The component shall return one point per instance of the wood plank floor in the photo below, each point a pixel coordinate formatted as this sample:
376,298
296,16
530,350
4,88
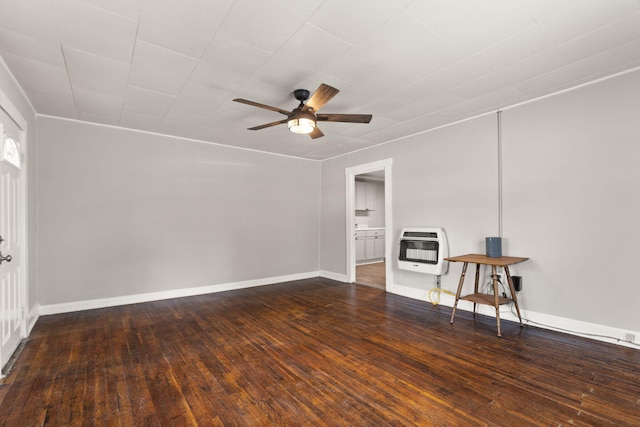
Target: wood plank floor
312,352
372,275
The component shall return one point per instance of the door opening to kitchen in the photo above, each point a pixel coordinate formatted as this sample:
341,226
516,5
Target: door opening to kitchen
369,228
369,224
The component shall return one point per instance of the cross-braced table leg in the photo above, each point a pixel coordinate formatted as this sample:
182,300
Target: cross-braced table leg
455,304
513,293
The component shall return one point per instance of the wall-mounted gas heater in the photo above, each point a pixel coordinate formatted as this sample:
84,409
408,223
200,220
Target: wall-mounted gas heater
423,249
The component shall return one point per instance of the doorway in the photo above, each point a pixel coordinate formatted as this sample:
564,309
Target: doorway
12,230
370,229
373,268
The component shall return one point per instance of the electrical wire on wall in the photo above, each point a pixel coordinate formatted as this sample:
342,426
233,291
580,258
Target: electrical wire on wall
438,291
570,331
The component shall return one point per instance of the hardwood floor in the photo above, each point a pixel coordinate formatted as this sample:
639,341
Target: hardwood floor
312,352
372,275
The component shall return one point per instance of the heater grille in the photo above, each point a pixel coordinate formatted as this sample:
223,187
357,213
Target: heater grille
419,251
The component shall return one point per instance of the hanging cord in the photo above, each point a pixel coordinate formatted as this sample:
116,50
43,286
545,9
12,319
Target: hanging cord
438,291
488,287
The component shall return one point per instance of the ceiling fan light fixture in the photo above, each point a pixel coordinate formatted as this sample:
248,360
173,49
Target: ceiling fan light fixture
301,125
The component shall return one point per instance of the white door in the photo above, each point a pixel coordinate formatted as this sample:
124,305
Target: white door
11,230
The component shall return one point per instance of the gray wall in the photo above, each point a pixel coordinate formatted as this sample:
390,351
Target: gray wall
123,213
17,98
570,198
572,201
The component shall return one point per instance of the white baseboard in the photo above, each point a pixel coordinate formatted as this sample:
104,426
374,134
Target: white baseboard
561,324
333,276
574,327
161,295
34,315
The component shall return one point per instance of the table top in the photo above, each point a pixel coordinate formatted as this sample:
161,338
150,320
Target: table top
483,259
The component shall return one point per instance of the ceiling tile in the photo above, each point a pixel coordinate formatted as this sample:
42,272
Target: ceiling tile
419,58
610,36
586,17
220,117
159,69
441,81
427,105
88,28
58,106
39,77
490,101
385,134
134,120
355,19
228,63
199,100
612,61
562,28
477,23
98,104
143,101
95,118
522,70
30,47
96,73
32,17
129,8
267,24
455,75
186,26
527,43
175,121
541,10
309,49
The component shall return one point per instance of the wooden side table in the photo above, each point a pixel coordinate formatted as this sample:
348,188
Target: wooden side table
479,298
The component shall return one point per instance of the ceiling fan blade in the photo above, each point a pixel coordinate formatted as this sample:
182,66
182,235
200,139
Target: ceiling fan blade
348,118
268,125
320,97
266,107
316,133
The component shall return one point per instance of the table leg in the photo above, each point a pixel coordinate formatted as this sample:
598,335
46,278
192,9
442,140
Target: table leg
455,304
475,287
496,295
513,293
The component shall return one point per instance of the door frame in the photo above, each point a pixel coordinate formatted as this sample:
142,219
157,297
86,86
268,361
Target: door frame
350,181
13,112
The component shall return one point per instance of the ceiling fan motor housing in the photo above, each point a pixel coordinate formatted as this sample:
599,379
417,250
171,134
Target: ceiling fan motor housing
301,94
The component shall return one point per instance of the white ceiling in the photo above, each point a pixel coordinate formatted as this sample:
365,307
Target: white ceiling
173,67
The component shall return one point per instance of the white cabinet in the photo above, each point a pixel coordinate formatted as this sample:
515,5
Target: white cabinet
378,247
369,245
361,246
365,196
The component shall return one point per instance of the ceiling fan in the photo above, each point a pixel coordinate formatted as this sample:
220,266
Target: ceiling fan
303,118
